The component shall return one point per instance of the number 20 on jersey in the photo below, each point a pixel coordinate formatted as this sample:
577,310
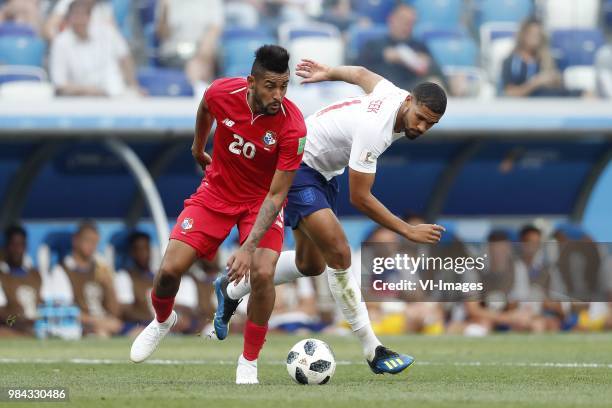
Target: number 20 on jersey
239,147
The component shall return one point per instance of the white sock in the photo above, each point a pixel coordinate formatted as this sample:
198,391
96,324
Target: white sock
243,360
286,271
346,293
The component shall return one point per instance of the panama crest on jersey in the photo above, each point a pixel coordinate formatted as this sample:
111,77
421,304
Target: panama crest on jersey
269,139
187,224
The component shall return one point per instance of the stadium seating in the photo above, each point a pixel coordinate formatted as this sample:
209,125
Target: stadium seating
427,32
580,77
164,82
288,32
358,36
15,29
497,39
375,10
444,13
55,246
27,91
22,50
117,249
503,10
562,14
329,51
239,46
454,52
469,81
11,73
575,47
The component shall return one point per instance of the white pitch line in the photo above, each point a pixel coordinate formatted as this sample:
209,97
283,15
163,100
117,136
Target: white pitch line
279,362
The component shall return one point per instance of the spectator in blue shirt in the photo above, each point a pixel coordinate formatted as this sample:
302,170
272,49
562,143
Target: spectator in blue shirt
530,71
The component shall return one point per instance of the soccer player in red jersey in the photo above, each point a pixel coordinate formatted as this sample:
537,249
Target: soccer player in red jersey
258,146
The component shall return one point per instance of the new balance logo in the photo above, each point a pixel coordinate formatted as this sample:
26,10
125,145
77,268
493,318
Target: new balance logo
228,122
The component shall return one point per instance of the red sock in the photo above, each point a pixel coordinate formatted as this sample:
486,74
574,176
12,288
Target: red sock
162,306
254,338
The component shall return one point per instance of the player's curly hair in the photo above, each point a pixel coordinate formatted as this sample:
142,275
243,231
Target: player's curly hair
430,95
270,58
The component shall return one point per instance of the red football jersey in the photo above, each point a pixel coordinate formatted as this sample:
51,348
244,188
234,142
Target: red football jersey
248,148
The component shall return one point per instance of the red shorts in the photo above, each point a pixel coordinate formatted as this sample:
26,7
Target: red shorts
205,229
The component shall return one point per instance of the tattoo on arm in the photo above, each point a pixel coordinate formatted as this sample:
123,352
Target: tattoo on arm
266,216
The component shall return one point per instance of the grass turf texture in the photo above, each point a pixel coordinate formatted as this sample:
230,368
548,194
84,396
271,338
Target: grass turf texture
498,371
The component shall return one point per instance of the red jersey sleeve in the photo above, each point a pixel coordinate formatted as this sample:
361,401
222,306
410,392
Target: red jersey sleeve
209,96
292,147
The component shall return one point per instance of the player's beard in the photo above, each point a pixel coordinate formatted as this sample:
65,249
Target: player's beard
261,108
411,135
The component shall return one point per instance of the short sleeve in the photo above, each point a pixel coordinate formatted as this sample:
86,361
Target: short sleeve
365,152
384,86
291,149
209,95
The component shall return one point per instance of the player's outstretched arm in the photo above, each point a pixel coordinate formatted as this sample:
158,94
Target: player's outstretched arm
204,121
240,262
360,185
313,71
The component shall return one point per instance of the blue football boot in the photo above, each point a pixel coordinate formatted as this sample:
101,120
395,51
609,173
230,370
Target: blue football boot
388,361
226,307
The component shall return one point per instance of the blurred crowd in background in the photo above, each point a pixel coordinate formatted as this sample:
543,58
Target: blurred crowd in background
475,48
87,293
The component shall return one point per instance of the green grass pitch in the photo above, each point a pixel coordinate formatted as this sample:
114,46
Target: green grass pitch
568,370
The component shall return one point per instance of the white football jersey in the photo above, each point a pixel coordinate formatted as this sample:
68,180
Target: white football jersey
353,132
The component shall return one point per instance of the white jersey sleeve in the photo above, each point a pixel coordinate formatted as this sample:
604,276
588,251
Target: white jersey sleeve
367,147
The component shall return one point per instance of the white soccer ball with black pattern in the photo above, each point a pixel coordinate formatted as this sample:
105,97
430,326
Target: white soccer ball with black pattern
311,361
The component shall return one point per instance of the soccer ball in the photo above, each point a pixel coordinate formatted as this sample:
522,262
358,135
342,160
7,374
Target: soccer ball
311,361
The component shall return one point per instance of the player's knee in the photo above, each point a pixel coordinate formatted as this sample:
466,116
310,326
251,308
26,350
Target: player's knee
169,276
261,275
310,267
338,255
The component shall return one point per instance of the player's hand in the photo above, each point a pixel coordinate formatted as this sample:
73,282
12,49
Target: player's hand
202,158
425,233
312,71
238,265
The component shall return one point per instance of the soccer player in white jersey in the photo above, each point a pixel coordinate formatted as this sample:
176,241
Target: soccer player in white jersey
351,133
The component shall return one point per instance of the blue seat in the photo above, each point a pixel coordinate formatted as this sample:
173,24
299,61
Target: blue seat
119,242
454,51
503,10
575,47
358,37
239,48
16,29
59,244
243,33
22,50
440,12
12,73
376,10
164,82
288,32
427,32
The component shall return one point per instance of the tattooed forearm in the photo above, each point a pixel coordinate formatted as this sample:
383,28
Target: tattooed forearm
267,213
